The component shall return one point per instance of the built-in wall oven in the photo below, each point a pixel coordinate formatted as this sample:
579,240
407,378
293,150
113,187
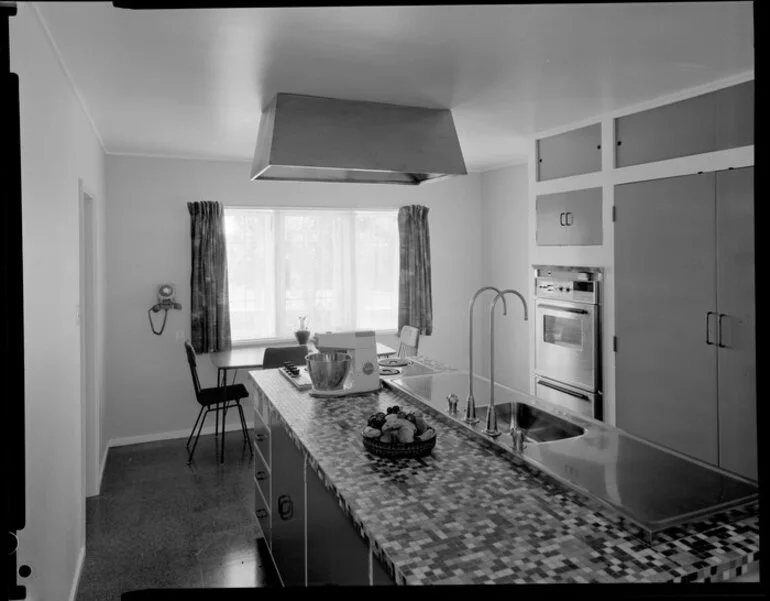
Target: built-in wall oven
568,337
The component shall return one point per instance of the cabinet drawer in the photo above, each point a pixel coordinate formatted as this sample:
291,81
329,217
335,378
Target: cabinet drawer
571,153
262,439
264,518
262,477
261,403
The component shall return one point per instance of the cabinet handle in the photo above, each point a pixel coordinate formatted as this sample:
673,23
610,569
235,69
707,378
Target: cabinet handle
568,215
261,476
285,507
561,218
261,513
708,314
719,330
260,437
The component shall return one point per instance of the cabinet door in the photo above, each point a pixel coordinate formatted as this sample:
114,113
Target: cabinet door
665,274
571,153
336,554
735,301
551,224
584,217
673,130
287,507
735,116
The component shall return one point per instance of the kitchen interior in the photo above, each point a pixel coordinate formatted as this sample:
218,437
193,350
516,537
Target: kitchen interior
508,254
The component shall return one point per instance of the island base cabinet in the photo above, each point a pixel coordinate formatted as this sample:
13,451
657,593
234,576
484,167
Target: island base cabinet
287,506
336,554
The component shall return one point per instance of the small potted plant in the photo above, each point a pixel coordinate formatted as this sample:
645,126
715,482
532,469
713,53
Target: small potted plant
303,333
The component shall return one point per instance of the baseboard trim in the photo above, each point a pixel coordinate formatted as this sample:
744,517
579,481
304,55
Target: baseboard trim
234,425
78,571
101,470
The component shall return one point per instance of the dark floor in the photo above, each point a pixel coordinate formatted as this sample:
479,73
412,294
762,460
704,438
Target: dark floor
159,523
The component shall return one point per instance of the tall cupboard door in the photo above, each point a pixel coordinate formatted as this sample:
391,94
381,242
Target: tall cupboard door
287,506
665,273
736,321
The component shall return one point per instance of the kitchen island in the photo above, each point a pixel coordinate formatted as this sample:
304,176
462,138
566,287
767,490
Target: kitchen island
470,513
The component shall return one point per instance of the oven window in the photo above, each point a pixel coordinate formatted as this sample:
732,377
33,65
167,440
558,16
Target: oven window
563,331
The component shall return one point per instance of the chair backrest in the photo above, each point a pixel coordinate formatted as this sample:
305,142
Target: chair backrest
193,366
276,355
409,339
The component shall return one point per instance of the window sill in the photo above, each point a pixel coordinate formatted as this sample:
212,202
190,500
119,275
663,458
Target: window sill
289,341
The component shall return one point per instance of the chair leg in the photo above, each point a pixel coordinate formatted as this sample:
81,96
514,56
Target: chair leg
195,444
216,425
192,432
245,429
224,417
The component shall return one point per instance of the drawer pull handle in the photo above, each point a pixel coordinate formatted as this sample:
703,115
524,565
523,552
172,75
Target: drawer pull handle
261,476
260,437
261,514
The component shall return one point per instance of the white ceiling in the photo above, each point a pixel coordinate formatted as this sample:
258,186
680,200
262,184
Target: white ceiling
191,83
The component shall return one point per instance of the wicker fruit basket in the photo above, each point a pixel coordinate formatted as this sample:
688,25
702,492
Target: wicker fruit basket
395,450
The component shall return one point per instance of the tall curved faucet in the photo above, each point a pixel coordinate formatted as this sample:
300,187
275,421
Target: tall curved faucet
470,403
491,424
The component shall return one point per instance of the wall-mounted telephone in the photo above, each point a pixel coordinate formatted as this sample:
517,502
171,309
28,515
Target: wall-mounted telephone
165,303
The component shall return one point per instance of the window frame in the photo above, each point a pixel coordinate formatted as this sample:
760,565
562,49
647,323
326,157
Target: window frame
352,210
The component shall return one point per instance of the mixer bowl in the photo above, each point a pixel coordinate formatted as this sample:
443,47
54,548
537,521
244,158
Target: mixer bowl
328,370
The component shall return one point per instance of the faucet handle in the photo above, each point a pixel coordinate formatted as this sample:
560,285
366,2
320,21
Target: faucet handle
453,400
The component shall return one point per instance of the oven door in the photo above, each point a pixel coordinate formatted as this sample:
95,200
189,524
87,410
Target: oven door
566,344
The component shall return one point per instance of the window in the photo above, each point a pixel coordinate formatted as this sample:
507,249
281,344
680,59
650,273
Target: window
338,267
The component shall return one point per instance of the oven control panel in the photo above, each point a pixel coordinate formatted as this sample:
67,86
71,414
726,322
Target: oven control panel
579,291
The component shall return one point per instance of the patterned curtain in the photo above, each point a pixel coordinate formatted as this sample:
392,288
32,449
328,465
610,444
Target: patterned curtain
415,302
210,311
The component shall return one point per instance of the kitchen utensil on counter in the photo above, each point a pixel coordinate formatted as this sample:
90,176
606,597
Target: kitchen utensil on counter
395,362
389,371
299,378
328,370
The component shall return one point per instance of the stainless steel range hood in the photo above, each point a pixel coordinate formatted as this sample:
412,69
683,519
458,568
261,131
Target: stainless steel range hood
311,138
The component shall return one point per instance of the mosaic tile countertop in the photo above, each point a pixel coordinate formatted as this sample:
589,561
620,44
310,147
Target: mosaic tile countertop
472,513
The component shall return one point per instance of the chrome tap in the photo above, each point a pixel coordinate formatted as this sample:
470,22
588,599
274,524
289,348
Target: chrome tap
470,403
491,425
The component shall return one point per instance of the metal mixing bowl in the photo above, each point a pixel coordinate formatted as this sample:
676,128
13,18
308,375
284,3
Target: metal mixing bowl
328,370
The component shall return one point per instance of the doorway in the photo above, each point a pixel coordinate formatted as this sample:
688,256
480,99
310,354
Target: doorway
90,409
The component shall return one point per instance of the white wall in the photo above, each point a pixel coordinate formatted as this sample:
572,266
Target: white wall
58,147
148,386
505,259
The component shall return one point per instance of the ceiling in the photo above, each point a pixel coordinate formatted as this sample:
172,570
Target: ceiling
192,83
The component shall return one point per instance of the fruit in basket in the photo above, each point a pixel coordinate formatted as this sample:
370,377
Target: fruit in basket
394,423
427,435
386,437
370,432
394,409
405,434
421,424
376,420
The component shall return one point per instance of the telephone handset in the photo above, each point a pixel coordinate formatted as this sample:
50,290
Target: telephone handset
165,303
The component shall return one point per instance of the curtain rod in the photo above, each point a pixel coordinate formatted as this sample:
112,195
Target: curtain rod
338,209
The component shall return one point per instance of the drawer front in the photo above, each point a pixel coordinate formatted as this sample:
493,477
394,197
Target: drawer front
262,477
262,439
264,518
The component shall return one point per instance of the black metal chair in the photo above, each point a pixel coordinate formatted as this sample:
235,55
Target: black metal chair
276,355
219,398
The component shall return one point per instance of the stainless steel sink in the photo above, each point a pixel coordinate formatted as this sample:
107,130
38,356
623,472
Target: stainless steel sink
538,425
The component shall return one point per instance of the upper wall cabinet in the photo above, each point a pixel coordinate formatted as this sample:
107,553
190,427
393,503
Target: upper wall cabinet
571,153
571,218
716,121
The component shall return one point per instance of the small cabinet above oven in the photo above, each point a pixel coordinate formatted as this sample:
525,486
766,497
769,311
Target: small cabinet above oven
572,218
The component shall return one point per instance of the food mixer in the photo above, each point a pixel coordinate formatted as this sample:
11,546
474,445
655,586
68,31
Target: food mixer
364,374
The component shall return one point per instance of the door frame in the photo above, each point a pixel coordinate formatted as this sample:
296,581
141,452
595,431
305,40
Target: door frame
86,314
